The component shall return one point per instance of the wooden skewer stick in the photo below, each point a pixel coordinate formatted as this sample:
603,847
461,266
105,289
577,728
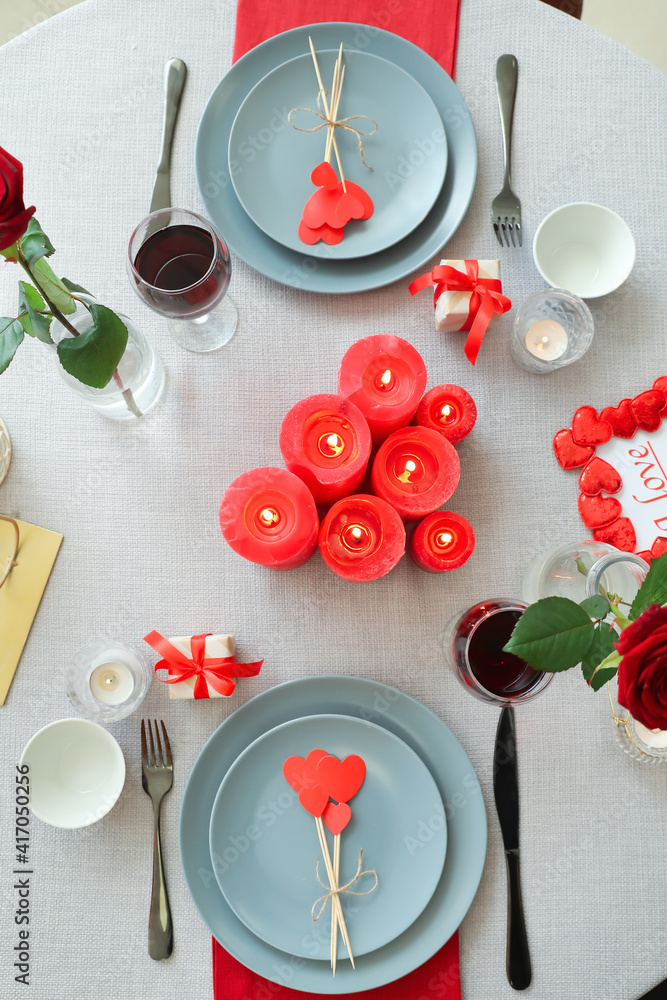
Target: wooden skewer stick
326,108
334,923
337,909
335,98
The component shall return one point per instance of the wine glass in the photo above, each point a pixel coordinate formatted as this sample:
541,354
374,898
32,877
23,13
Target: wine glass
180,266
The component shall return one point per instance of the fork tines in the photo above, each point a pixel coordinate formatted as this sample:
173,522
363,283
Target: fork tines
508,227
152,759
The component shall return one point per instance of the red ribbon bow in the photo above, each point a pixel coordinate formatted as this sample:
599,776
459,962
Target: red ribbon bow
218,671
485,298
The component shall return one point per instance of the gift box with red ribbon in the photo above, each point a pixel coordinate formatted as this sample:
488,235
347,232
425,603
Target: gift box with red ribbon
200,666
468,296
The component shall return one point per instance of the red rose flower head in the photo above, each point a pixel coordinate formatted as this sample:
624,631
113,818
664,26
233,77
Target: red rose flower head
642,672
14,216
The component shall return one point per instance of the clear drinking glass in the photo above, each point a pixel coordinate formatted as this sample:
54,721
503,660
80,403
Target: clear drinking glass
474,644
564,334
107,679
578,569
180,266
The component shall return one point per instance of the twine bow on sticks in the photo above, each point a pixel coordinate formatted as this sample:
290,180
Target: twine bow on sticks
320,904
335,203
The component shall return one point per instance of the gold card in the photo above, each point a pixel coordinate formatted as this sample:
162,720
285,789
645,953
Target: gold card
21,593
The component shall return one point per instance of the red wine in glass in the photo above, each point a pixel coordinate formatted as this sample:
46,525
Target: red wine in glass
479,659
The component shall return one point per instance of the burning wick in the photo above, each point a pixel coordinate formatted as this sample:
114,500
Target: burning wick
385,381
410,467
269,517
331,445
445,539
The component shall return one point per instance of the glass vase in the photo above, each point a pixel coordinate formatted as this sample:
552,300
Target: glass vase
139,381
578,569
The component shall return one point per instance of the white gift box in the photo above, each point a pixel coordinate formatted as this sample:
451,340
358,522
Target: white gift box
215,645
452,308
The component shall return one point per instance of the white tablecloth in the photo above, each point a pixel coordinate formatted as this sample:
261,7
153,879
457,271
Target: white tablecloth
81,106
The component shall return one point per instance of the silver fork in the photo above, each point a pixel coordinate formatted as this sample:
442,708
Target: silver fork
157,775
506,208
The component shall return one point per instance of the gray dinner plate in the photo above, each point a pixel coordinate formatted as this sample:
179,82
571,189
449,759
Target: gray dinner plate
459,789
297,269
269,874
273,181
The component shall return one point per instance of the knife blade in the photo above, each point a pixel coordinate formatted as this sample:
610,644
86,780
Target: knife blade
174,80
506,794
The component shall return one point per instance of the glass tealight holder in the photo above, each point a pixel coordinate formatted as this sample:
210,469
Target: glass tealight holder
645,745
553,328
107,679
579,569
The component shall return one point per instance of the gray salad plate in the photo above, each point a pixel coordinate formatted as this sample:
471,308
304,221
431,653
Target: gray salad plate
459,789
273,181
297,269
272,884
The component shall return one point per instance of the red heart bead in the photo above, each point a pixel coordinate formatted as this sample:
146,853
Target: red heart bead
568,454
647,407
597,476
336,817
324,175
341,778
598,511
313,800
620,533
661,384
589,429
658,548
300,772
621,419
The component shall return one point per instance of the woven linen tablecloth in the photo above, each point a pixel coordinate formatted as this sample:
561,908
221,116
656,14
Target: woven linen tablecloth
81,107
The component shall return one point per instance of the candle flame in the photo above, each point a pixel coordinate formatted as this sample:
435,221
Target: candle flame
386,377
445,538
356,533
446,410
269,516
410,467
331,445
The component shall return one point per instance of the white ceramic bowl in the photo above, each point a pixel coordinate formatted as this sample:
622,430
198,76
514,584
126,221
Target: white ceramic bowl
585,248
77,772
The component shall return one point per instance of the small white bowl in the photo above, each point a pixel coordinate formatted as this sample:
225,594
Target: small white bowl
77,772
585,248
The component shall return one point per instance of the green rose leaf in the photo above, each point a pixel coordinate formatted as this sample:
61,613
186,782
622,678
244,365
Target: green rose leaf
34,324
73,287
34,243
554,634
53,287
595,607
602,649
93,356
11,335
653,590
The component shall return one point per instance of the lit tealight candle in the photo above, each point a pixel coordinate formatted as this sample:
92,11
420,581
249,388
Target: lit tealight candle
111,683
546,339
656,738
415,470
442,541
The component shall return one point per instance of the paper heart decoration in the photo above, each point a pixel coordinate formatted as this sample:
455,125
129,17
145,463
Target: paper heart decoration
568,454
321,208
658,548
323,232
324,175
647,407
621,534
588,429
337,816
301,772
348,207
314,800
362,196
341,778
621,419
597,476
598,511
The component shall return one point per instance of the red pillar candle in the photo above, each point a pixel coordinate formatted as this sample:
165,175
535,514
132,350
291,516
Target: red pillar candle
362,538
269,517
325,441
442,541
448,409
415,470
386,377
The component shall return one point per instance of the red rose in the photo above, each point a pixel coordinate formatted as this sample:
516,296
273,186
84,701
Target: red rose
14,216
642,672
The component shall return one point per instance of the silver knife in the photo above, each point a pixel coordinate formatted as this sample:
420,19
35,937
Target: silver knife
506,794
174,81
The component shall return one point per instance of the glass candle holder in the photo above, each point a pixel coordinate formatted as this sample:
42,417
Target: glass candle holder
553,328
107,680
645,745
578,570
474,644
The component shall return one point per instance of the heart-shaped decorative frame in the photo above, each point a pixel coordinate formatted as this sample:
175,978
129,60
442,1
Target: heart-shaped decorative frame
622,451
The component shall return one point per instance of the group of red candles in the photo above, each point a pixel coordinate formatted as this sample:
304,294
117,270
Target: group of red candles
270,516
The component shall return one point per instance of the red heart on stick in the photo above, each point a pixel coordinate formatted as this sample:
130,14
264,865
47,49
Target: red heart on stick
300,772
647,407
324,175
320,208
313,800
337,817
323,232
588,428
568,454
598,511
341,778
620,533
621,419
362,196
348,208
597,476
